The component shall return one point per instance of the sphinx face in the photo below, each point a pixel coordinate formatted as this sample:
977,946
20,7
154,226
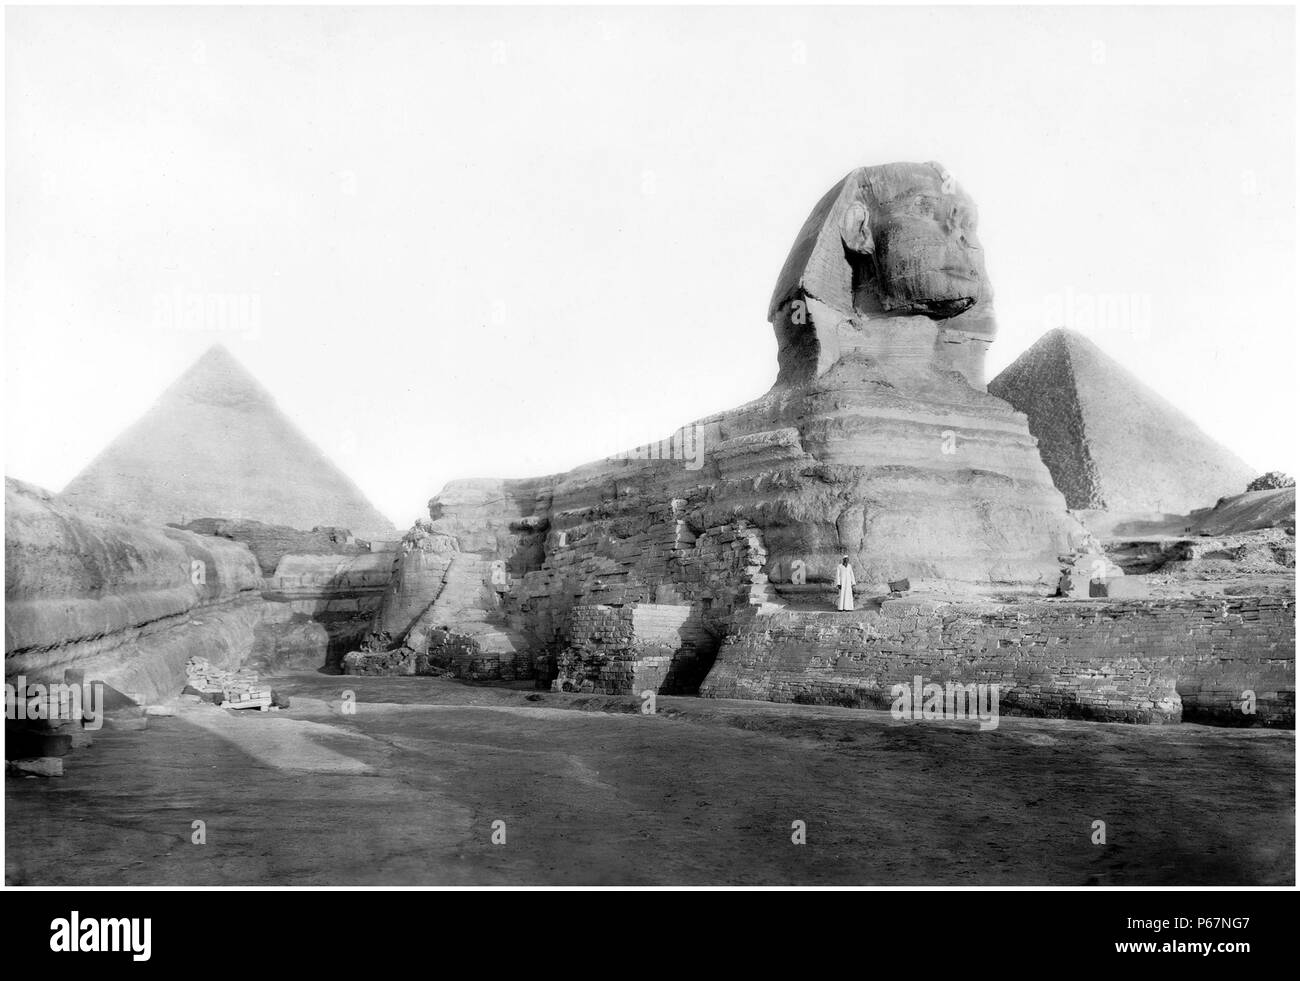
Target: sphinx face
924,255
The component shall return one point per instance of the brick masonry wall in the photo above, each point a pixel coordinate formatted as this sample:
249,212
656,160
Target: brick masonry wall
1133,661
628,552
463,656
627,650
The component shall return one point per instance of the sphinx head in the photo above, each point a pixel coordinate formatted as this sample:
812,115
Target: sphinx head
889,242
909,236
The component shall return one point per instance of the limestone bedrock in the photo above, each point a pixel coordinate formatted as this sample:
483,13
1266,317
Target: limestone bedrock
123,602
877,441
127,602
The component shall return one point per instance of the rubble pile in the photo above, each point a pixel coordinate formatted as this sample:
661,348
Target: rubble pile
230,689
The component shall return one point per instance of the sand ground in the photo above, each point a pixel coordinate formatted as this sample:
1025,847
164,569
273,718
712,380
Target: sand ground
405,791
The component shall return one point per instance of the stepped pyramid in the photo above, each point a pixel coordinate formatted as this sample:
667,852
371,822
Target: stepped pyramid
1109,441
215,445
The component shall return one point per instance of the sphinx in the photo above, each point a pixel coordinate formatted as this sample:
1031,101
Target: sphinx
877,441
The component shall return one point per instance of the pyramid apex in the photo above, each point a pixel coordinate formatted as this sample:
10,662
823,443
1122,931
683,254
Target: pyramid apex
1058,336
1071,336
1059,342
217,351
218,355
218,378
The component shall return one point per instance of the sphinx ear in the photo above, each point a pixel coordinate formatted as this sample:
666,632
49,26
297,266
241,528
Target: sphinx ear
855,229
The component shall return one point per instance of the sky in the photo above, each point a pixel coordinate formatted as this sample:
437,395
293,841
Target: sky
505,242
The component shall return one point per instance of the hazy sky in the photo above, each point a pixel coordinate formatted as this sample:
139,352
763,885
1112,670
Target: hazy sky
477,242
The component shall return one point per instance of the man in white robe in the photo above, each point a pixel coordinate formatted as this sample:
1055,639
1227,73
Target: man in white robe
844,579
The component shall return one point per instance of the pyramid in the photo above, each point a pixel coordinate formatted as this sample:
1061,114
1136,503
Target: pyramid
216,445
1108,440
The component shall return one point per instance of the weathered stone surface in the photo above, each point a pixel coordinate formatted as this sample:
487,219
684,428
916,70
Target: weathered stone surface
888,264
332,578
287,641
44,766
1109,441
399,661
318,608
77,574
270,543
1194,658
323,589
1251,511
216,444
633,649
122,602
447,599
1267,550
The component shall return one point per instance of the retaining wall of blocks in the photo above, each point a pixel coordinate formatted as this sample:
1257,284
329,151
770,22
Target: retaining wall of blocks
644,553
627,650
1195,659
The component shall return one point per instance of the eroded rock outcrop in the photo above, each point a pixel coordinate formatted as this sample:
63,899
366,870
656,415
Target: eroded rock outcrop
124,602
319,606
1246,537
1252,511
270,543
127,602
448,594
323,588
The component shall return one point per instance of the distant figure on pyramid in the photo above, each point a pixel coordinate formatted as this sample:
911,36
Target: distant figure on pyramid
845,580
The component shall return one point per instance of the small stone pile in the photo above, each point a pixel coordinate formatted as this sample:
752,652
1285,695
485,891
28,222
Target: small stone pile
1273,480
230,689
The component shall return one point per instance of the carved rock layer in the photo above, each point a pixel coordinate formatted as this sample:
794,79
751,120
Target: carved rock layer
125,602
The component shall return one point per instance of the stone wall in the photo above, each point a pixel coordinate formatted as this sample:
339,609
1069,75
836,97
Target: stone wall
486,587
1135,661
627,650
629,552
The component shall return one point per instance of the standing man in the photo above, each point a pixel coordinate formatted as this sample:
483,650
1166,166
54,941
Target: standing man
845,580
